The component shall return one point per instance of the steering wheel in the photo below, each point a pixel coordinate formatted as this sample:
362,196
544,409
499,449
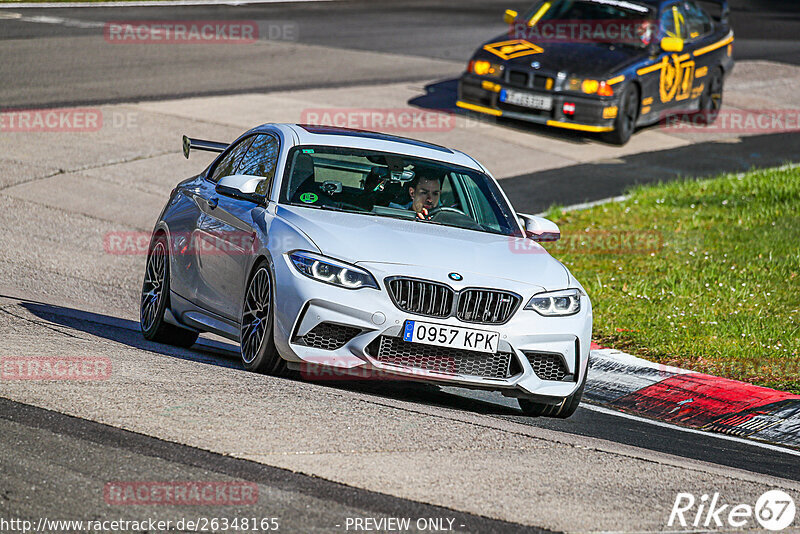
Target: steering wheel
445,209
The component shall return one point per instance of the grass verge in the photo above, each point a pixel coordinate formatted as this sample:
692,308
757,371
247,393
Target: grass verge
704,275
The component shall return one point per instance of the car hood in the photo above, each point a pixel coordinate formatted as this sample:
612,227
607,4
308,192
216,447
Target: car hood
596,60
427,248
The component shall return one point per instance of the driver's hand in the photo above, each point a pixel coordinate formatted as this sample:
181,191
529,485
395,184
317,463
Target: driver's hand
423,214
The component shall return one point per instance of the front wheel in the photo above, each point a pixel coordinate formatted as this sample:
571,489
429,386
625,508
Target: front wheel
259,353
627,115
563,410
155,296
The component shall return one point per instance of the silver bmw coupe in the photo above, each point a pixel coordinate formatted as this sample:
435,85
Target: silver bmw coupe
323,249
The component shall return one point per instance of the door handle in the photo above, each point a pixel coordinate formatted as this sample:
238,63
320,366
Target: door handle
212,202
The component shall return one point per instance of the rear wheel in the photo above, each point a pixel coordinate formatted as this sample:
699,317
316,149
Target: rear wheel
627,115
562,410
711,100
155,297
259,353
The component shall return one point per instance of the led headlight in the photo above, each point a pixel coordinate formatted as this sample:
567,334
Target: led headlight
555,303
331,271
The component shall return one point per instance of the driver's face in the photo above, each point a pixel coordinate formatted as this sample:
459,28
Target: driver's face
425,195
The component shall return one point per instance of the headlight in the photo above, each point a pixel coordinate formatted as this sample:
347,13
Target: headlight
554,303
331,271
481,67
589,87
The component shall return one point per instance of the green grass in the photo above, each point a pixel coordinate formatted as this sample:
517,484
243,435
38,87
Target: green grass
708,277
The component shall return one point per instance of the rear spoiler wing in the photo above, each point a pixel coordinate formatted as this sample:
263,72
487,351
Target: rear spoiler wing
200,144
724,9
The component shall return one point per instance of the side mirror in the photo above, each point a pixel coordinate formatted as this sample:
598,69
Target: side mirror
241,186
539,229
510,16
672,44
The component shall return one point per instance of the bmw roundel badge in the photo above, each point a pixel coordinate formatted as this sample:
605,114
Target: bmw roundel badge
455,276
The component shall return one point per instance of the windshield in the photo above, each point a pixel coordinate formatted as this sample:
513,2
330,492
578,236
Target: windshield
611,21
382,184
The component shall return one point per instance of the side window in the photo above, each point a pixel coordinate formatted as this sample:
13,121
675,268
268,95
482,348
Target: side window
230,161
698,23
673,23
448,197
260,160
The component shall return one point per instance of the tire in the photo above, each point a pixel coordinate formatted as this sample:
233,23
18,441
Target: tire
256,331
562,410
155,299
628,114
711,99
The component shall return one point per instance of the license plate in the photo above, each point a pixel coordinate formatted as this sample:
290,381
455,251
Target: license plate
526,99
455,337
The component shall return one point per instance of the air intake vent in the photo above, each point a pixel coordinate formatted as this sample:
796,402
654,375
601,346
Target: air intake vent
327,336
548,366
394,350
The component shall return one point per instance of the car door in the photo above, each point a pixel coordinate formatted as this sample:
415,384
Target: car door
676,76
226,229
701,34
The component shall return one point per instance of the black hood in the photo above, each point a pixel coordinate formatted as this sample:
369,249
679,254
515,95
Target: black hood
595,60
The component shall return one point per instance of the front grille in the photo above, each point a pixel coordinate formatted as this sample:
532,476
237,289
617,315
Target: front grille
516,77
486,306
541,82
327,336
396,351
422,297
548,366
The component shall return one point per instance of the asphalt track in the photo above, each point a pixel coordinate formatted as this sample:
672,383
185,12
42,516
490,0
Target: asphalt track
65,70
48,64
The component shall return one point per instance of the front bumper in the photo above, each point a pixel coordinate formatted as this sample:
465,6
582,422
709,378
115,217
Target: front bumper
592,114
303,304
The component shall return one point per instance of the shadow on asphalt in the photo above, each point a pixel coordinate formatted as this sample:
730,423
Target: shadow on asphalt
127,332
223,354
536,192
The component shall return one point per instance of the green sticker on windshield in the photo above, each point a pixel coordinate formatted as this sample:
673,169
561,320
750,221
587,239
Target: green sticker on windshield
308,198
308,151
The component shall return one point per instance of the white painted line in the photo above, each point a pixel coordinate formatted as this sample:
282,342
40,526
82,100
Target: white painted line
607,411
587,205
155,3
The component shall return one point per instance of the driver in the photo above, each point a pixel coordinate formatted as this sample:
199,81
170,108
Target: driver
425,192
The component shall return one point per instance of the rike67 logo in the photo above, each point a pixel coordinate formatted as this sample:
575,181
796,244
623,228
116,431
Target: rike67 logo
775,511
